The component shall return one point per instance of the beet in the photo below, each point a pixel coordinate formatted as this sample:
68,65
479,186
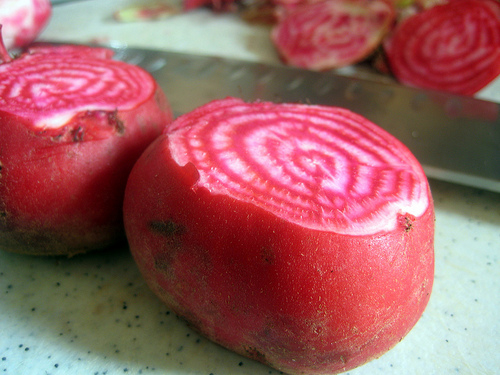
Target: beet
453,47
297,235
332,33
72,124
23,20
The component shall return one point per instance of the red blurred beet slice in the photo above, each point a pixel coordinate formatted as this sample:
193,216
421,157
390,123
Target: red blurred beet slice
23,20
452,47
72,124
332,33
297,235
217,5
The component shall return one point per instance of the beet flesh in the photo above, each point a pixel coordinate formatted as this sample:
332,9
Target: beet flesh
247,259
321,35
72,124
452,47
23,20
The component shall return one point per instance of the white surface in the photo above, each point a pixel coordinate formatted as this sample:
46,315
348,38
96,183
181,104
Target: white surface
200,31
93,314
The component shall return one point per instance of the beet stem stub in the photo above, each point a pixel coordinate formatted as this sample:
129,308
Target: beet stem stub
323,168
4,54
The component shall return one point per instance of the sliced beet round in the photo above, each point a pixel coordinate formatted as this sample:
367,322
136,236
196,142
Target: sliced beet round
72,124
453,47
297,235
331,33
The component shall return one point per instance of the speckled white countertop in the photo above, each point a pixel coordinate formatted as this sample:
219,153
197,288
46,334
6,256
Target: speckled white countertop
93,314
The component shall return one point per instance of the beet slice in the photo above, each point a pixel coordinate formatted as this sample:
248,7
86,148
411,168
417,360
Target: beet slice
216,5
72,124
453,47
297,235
331,33
23,20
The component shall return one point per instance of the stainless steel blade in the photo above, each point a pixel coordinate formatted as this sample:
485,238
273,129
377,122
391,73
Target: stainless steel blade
456,139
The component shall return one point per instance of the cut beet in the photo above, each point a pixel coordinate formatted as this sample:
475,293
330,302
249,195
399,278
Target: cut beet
297,235
72,124
453,47
332,33
23,20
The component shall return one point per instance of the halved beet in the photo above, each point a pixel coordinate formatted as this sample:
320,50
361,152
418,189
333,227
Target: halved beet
23,20
297,235
72,124
320,35
452,47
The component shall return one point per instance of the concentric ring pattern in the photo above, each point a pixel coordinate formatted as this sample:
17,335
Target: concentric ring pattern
453,47
51,88
324,35
321,167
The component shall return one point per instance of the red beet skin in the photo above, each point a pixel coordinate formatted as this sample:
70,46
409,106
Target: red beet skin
300,236
72,124
321,35
23,20
452,47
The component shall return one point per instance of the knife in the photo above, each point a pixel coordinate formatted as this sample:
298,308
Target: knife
455,138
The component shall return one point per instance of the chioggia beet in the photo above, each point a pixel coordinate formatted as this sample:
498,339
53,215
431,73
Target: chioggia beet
72,124
297,235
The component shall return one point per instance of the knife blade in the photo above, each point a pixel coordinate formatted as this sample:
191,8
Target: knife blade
455,138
